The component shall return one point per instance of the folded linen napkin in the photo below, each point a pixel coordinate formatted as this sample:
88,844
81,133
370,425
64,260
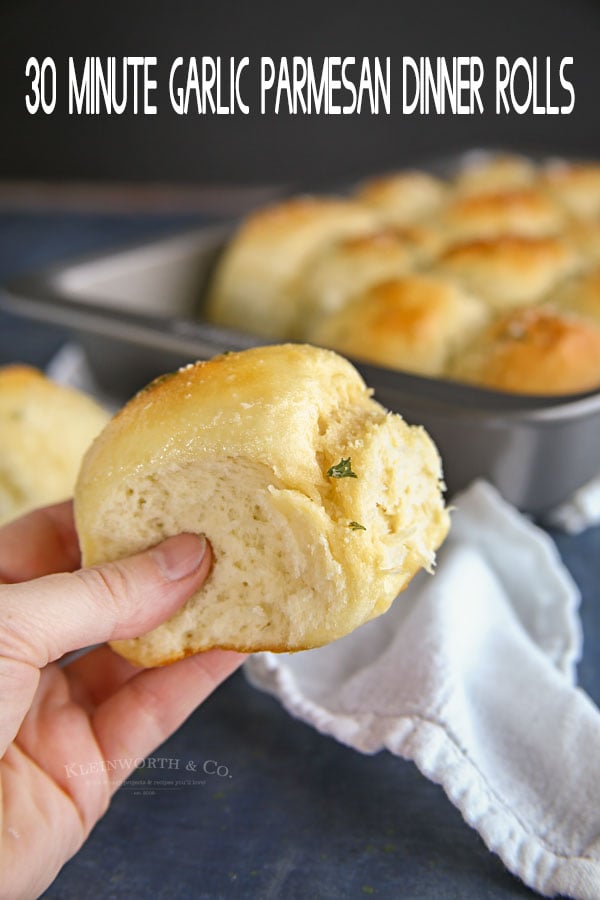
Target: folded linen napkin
471,675
581,511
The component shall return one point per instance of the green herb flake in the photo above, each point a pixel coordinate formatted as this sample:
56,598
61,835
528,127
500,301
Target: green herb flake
343,469
356,526
155,383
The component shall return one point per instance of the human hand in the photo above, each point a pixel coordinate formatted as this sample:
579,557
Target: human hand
96,708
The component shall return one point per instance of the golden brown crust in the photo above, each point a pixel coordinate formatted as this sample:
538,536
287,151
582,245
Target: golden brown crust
384,240
526,211
535,351
147,660
17,375
507,231
576,186
349,266
510,270
412,323
584,236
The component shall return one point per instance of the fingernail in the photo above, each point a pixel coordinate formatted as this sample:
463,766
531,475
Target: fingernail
179,556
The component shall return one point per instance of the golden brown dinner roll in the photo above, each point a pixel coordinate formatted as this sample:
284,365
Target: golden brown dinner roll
584,236
534,351
580,295
576,186
403,197
341,270
253,288
528,212
319,505
509,271
413,323
491,174
425,239
45,431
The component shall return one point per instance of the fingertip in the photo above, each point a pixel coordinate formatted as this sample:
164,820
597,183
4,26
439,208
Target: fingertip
180,556
165,577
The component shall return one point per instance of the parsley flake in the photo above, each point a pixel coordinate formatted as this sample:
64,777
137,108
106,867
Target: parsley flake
356,526
156,381
343,469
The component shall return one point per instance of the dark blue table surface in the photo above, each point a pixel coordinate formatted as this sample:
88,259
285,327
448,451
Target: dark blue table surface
291,813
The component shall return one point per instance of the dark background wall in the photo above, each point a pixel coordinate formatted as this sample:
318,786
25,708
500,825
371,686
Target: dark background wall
311,150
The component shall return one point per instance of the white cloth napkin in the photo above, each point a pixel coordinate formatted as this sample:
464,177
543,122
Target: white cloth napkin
581,511
471,675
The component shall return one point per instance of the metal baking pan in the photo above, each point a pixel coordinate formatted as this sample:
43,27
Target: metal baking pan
137,313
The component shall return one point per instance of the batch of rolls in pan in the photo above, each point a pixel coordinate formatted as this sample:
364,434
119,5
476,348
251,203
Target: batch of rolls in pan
491,277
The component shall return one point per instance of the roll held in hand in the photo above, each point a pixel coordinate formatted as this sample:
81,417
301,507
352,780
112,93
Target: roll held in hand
319,505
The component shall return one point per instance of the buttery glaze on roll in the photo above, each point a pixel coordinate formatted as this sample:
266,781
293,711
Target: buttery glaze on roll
319,505
528,212
346,268
414,323
505,233
509,271
584,236
536,350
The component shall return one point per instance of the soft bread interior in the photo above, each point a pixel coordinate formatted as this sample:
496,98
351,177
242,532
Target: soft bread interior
291,570
245,449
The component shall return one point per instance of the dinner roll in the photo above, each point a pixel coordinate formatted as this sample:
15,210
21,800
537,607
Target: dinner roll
425,239
45,430
491,174
528,212
413,324
584,236
319,505
341,270
534,351
253,287
403,197
576,186
509,271
580,295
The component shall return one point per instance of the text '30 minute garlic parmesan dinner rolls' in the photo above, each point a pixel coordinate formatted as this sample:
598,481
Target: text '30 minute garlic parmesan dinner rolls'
319,505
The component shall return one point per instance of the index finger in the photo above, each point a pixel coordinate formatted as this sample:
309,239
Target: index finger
42,542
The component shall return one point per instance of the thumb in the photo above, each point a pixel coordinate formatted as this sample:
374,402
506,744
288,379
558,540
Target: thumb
43,619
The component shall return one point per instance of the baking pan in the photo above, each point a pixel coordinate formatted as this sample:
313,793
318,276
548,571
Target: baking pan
137,313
